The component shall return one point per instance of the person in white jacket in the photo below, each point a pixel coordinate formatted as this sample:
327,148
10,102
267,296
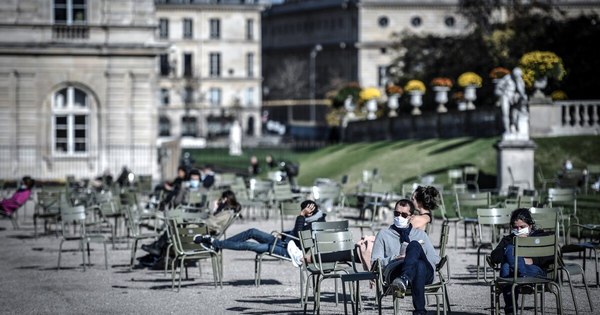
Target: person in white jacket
407,255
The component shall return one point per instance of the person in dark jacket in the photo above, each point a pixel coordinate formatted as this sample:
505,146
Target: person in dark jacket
523,226
224,209
263,241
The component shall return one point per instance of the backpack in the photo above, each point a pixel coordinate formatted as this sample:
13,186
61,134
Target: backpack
364,248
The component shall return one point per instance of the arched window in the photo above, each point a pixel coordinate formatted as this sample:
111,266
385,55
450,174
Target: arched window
164,126
70,121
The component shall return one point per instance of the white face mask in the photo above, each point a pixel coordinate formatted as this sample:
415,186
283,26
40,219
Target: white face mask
401,222
194,183
519,232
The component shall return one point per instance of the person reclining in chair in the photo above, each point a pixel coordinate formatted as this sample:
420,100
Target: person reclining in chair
523,226
10,205
406,255
225,208
263,241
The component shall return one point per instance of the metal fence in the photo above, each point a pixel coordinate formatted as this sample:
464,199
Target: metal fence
40,163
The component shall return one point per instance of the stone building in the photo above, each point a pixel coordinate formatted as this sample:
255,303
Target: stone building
311,47
354,37
211,73
77,87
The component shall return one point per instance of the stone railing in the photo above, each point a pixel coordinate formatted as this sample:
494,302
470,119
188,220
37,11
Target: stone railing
563,118
70,32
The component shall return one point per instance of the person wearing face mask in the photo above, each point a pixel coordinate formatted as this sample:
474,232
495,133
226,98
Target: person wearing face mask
523,226
194,184
406,255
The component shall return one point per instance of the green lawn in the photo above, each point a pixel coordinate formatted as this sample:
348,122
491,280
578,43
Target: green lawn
404,161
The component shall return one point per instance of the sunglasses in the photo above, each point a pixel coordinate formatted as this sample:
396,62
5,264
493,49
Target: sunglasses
402,214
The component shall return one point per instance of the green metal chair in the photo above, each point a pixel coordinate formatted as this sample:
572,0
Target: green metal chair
533,246
78,232
495,219
437,289
182,237
473,201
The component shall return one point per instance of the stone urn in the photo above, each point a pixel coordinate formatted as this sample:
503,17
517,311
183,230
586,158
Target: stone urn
416,100
371,106
470,96
392,104
539,85
441,97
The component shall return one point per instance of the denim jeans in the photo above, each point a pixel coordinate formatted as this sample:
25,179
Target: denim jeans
507,269
262,244
417,269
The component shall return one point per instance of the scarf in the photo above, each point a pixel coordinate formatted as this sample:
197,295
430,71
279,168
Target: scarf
403,233
315,217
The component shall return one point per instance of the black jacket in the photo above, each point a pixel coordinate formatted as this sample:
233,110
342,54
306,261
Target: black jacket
302,225
498,253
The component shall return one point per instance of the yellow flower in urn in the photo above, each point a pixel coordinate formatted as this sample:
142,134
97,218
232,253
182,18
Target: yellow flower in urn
538,65
415,85
470,79
369,94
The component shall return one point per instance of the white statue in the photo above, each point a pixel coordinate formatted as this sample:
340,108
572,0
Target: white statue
512,99
172,59
348,104
235,139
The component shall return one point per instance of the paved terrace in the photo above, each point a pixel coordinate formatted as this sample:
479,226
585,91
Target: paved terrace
30,283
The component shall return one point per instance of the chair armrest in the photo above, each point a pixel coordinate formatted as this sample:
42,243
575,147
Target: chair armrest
278,235
441,263
494,266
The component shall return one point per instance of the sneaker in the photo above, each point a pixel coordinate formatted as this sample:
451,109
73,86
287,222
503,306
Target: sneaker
202,238
400,285
295,254
206,241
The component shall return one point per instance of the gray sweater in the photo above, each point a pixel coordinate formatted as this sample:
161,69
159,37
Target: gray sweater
387,245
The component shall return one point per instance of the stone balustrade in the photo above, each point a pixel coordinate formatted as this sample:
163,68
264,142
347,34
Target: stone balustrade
70,32
564,118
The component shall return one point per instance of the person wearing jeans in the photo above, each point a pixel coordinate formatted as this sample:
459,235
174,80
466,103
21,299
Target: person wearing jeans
407,256
260,242
523,226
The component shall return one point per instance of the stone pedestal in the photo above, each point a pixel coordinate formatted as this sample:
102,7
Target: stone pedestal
518,155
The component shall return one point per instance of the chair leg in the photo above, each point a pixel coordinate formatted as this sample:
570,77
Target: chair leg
478,259
455,234
344,296
167,257
465,229
83,253
257,263
571,288
59,254
181,266
105,256
173,273
558,299
133,254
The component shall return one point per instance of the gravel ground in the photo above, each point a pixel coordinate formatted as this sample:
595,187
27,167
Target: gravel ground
31,284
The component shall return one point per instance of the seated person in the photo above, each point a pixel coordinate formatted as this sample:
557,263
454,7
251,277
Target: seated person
425,199
171,189
194,184
225,208
262,241
407,256
10,205
207,176
523,226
